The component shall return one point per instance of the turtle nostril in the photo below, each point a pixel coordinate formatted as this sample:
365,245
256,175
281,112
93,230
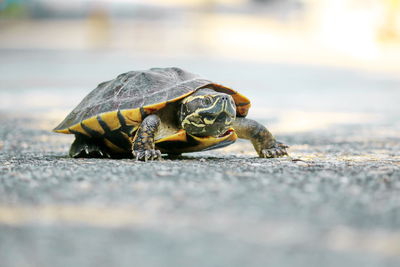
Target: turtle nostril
225,98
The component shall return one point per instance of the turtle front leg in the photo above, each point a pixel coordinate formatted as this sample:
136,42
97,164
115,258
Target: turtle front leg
143,147
263,141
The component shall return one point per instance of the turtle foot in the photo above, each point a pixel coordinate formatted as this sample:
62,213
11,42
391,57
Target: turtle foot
147,154
86,148
278,150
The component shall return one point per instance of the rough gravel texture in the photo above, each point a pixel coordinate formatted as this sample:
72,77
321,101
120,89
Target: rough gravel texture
335,202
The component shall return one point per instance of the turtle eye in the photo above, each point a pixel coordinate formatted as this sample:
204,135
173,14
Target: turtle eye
206,101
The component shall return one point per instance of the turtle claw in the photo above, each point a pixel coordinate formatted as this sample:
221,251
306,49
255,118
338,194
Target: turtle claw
86,148
145,155
104,154
278,150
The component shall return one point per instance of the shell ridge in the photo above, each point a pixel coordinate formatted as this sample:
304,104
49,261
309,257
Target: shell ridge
138,89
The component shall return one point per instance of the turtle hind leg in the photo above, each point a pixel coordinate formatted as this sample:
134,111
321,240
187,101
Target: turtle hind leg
84,147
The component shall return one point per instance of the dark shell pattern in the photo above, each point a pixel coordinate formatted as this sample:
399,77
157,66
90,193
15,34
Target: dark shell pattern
135,89
113,111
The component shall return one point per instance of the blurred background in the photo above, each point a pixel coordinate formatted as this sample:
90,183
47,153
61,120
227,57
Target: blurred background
359,33
323,75
337,60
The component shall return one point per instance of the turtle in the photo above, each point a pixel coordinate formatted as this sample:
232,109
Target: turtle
144,114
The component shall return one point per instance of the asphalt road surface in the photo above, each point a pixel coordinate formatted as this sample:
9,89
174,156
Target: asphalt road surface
334,202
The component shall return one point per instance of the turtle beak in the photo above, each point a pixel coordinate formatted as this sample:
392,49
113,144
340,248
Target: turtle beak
228,105
223,105
228,111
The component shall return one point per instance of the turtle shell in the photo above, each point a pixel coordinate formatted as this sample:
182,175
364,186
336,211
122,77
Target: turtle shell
124,101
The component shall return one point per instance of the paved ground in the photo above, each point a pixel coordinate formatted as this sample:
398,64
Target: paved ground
335,202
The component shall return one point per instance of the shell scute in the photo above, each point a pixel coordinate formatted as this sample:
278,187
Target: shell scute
133,117
111,118
136,92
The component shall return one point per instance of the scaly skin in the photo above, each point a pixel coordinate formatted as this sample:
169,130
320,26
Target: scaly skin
143,147
263,141
203,119
84,147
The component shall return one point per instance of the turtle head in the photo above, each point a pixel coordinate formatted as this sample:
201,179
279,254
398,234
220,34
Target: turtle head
207,113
